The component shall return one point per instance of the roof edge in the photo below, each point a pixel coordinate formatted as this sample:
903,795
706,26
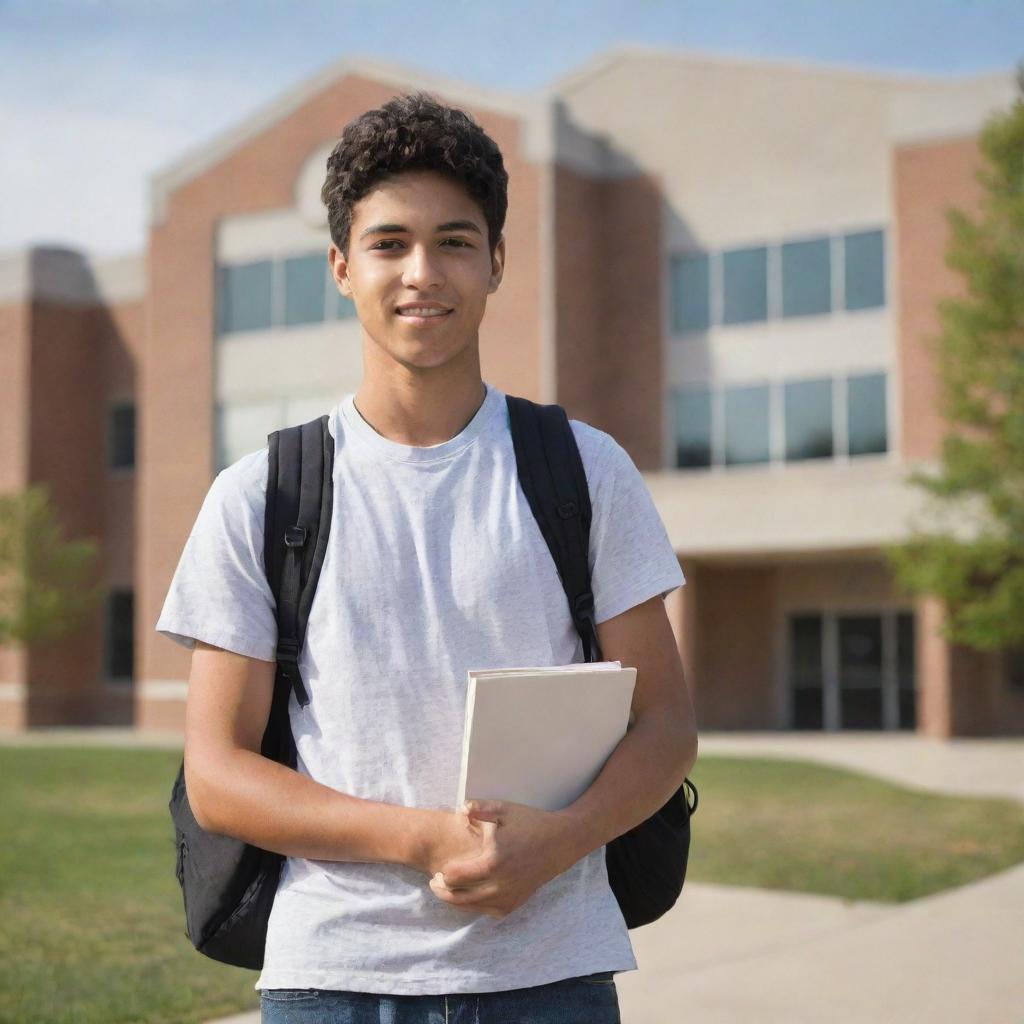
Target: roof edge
208,154
602,62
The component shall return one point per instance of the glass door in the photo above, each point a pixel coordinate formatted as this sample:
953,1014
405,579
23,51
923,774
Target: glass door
851,670
860,671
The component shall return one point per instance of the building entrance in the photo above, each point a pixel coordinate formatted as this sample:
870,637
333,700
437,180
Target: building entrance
851,670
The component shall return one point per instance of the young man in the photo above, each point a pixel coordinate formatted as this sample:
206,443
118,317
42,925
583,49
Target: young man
389,902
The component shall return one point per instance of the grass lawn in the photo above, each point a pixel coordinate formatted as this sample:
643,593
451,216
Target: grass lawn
93,926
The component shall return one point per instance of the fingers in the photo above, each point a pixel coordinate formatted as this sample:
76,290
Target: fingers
473,898
484,810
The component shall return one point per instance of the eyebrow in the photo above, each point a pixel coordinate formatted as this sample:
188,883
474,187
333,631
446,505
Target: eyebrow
400,229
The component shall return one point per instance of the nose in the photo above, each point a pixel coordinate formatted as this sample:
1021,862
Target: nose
421,269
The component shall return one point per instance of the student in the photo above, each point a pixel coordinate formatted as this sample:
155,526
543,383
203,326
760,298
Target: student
392,906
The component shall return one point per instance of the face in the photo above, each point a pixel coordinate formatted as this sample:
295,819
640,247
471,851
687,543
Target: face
419,238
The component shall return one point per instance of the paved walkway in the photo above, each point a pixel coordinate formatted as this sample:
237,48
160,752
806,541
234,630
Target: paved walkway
966,766
732,955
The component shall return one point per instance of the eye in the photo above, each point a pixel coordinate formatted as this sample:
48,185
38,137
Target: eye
457,241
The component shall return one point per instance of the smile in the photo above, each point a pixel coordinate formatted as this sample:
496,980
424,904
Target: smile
423,314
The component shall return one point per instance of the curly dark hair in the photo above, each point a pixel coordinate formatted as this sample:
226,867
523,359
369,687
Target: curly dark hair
413,132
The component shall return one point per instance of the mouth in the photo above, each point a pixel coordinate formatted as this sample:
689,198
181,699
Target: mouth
422,315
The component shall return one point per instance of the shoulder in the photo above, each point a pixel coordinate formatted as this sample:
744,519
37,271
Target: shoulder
244,482
602,455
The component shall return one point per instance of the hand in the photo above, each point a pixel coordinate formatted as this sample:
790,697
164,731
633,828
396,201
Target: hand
522,848
447,836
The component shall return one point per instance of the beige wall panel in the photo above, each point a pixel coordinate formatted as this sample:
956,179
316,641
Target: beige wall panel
746,152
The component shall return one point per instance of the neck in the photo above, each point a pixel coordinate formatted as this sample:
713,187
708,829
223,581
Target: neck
420,407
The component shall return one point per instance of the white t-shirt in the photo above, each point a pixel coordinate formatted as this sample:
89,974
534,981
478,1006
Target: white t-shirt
435,565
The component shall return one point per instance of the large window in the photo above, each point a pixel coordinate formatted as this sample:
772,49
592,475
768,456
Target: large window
747,425
864,261
745,285
121,436
808,419
305,280
806,423
246,296
867,427
806,277
285,292
801,283
119,643
691,292
693,428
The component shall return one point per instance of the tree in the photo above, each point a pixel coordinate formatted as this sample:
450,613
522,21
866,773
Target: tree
45,590
976,565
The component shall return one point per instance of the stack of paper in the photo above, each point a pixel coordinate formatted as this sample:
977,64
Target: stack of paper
540,736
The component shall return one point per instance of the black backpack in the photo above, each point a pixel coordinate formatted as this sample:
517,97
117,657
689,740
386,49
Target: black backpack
228,885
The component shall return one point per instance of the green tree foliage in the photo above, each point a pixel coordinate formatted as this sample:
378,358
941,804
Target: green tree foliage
979,572
46,589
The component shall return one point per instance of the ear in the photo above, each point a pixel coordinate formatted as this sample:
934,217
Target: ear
339,270
497,265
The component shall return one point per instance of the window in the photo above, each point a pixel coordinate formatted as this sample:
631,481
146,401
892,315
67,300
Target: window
808,416
747,425
246,296
1013,667
691,281
905,671
864,258
806,277
745,283
806,655
119,656
867,429
304,281
693,429
121,436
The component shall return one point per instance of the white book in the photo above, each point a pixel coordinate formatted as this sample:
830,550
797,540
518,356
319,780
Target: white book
540,736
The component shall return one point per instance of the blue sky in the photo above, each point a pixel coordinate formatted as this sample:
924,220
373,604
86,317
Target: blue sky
95,95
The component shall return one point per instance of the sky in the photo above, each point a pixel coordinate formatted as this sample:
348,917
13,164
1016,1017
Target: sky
97,95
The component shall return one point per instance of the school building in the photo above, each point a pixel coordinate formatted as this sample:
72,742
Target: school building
732,266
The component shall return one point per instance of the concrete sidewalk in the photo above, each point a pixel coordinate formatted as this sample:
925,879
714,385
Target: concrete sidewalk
964,766
734,955
726,955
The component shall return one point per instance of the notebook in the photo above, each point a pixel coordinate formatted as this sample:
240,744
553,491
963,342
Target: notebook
540,736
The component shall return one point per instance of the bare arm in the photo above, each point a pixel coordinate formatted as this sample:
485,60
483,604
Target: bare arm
660,748
234,790
530,846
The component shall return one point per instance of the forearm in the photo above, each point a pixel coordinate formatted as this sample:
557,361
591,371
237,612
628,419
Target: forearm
268,804
645,769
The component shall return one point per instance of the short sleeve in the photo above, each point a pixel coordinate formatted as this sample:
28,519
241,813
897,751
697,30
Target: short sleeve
631,556
219,593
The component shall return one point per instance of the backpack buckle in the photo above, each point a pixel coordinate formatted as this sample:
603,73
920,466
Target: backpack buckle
295,536
288,650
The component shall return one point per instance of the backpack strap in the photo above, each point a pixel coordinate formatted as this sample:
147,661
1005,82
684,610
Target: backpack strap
552,477
297,521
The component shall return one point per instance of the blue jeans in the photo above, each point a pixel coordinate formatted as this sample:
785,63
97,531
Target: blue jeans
590,999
